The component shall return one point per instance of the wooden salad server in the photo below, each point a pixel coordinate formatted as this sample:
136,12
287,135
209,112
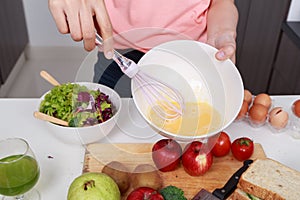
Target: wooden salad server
49,78
48,118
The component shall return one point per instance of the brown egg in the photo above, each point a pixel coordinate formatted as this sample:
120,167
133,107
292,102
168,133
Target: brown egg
263,99
258,114
248,96
243,111
296,108
278,118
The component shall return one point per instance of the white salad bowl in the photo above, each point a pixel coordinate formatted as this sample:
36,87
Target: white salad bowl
88,134
191,68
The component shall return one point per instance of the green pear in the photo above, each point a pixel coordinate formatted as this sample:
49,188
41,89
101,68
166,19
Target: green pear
94,186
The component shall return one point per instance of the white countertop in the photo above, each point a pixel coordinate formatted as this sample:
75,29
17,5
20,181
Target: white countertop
61,163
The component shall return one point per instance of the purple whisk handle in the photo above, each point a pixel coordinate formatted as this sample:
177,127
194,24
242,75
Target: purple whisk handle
128,67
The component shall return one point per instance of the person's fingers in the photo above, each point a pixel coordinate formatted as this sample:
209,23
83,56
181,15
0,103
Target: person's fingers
233,59
104,23
225,52
211,41
225,44
72,13
77,18
56,9
87,27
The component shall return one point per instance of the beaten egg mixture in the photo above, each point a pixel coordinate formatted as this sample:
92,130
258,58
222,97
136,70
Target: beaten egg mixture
198,118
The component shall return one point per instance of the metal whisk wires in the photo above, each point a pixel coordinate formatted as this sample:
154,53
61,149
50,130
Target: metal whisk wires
164,100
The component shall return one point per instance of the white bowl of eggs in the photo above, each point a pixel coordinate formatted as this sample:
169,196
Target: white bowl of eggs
212,90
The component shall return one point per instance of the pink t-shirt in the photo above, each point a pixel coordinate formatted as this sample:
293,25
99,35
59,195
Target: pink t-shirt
142,24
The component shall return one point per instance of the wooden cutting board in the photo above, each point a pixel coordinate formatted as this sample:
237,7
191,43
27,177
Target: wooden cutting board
97,155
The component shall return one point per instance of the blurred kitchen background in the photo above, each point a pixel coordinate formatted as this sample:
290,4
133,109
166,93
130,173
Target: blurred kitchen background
268,47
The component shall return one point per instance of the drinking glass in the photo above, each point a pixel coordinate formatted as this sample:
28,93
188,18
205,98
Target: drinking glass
19,170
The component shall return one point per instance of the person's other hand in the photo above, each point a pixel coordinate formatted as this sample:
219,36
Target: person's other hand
225,43
79,18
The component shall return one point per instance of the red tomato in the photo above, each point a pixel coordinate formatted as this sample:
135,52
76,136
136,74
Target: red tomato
242,148
222,145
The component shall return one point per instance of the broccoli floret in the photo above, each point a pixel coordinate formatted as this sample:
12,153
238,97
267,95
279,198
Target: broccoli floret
172,192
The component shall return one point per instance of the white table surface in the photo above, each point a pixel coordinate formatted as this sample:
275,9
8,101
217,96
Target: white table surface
61,163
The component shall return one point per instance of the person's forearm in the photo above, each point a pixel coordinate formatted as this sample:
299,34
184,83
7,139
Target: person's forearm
222,17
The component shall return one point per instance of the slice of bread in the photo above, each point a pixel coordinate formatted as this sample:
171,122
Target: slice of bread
271,180
239,194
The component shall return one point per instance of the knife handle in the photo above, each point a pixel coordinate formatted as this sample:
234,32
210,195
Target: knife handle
230,186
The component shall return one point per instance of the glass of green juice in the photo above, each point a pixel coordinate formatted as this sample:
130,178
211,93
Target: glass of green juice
19,170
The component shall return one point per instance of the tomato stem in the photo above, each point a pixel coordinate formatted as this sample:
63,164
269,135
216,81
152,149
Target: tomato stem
245,142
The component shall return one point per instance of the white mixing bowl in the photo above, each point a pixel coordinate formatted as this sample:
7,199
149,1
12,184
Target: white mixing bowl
191,68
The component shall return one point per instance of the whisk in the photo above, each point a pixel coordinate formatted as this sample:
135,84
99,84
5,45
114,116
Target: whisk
164,100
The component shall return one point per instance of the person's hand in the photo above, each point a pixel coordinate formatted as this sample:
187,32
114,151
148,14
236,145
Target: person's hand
225,43
79,18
